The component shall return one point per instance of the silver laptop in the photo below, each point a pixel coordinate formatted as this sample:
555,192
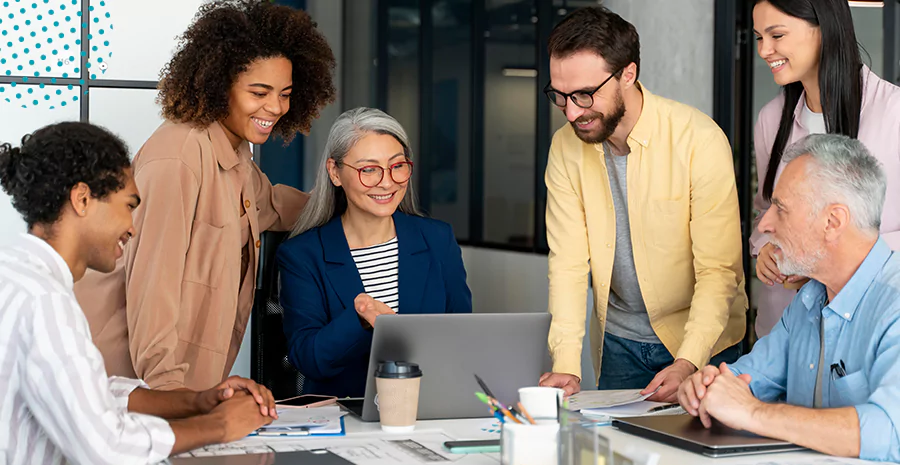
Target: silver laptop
688,433
507,350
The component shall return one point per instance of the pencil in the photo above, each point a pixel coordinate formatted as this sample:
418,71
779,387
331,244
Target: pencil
525,413
510,415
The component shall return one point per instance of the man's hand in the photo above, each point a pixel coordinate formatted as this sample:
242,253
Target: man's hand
211,398
571,384
368,308
668,380
729,400
693,389
238,417
766,267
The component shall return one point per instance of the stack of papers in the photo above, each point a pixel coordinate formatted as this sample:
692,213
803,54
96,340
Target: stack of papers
327,420
620,403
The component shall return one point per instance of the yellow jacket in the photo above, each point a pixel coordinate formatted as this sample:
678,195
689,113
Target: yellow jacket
685,232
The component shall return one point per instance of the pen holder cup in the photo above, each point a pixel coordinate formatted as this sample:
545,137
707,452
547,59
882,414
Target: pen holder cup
528,444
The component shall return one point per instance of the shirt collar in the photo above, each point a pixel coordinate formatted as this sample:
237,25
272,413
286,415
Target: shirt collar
49,257
647,123
846,302
867,94
225,154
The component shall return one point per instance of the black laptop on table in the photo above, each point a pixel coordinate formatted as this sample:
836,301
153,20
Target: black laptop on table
688,433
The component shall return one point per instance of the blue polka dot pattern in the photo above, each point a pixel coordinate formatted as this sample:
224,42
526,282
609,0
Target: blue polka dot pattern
39,43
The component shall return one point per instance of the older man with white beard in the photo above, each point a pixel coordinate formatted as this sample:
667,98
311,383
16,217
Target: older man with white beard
828,376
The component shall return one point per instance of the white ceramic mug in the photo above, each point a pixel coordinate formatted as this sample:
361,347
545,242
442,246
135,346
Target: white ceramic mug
541,402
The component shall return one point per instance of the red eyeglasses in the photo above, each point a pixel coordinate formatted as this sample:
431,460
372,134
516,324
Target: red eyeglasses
372,175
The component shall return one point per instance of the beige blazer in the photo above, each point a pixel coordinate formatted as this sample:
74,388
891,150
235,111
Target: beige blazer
174,311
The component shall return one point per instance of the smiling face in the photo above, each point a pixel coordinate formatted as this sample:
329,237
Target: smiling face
791,46
111,226
584,71
372,150
259,97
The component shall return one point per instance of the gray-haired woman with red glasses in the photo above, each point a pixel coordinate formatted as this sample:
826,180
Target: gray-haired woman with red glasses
361,249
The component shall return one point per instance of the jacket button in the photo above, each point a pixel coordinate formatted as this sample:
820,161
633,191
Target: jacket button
246,204
257,243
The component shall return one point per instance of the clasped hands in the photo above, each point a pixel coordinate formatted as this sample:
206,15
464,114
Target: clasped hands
715,392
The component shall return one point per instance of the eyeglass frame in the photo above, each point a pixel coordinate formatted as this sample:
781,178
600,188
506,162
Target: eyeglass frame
359,172
571,95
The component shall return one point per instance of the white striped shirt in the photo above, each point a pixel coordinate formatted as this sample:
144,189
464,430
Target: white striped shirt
56,403
378,269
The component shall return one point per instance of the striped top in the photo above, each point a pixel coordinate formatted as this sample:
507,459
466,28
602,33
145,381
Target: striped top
56,403
378,269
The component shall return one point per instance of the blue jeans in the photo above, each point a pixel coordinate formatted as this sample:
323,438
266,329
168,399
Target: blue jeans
628,364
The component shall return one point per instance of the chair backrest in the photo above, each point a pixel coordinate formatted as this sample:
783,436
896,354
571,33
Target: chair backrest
269,361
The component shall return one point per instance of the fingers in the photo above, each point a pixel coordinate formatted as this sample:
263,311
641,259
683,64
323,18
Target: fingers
745,378
269,401
544,377
571,388
667,392
687,398
705,418
655,383
225,394
724,370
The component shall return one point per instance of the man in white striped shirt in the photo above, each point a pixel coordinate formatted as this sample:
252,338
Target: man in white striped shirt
73,185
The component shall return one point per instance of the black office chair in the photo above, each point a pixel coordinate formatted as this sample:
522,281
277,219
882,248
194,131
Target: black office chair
269,364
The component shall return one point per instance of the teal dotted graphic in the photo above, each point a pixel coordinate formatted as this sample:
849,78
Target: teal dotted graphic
42,39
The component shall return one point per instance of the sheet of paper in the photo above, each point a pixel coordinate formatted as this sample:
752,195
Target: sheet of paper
603,399
420,447
635,409
322,419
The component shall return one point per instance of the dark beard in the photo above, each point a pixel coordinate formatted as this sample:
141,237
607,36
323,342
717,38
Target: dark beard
608,123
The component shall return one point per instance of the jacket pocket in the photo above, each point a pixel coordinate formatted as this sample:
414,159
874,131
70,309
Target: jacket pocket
852,389
205,256
669,225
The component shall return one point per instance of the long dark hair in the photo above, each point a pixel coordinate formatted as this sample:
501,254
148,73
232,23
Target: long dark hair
840,82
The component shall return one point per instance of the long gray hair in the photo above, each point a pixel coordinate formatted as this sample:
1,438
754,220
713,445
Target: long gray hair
327,200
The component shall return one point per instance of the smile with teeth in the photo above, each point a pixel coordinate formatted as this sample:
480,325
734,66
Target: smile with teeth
382,197
585,123
262,122
775,64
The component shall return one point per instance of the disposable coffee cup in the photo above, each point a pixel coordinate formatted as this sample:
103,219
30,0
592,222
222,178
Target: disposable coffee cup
397,398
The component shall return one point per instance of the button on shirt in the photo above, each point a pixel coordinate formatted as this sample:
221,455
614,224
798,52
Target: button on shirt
862,330
56,403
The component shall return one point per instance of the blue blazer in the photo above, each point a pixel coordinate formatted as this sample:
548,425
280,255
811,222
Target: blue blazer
319,282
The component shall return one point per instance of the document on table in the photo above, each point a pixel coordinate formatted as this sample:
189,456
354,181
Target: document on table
636,409
604,399
419,447
319,420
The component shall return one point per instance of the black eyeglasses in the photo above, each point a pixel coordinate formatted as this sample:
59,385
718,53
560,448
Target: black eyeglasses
581,98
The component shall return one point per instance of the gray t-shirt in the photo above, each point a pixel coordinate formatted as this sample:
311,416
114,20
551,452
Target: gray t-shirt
626,314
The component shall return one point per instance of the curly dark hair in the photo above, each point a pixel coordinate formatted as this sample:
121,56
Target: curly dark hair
40,175
224,39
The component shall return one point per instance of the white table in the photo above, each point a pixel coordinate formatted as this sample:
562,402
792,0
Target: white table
480,428
472,429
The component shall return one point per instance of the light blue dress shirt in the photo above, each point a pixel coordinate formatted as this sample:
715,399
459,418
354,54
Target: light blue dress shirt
862,330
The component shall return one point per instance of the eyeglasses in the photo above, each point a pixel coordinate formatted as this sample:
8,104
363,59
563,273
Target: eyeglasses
582,99
372,175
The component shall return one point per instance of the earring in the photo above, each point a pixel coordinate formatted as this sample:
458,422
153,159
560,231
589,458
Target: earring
82,212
